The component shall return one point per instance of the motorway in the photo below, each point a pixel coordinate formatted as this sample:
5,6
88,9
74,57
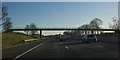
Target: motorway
53,48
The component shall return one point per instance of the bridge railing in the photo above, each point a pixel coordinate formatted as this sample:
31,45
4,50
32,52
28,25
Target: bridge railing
64,29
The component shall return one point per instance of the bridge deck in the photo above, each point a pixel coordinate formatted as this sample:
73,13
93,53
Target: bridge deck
64,29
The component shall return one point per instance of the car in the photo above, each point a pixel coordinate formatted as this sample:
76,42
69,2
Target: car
64,37
57,37
89,38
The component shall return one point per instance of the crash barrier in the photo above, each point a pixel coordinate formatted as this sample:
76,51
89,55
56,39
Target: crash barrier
30,40
109,38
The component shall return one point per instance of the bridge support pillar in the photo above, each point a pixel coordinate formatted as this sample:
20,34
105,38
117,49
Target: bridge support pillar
92,32
40,34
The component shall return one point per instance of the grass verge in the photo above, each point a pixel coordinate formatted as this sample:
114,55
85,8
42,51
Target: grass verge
10,39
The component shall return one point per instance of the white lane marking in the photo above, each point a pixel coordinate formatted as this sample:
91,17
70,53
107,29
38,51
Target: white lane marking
61,43
28,51
100,46
66,47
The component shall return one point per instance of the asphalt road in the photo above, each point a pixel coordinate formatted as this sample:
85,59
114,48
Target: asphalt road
53,48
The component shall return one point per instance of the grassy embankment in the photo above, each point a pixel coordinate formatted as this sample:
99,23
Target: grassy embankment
10,39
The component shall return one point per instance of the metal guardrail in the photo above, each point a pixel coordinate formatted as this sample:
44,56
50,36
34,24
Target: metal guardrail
30,40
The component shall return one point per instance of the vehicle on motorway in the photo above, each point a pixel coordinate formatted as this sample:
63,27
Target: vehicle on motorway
64,37
89,38
57,37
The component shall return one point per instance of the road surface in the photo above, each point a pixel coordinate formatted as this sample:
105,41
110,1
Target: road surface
53,48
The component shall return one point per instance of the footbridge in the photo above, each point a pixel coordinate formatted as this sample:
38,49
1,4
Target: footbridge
60,29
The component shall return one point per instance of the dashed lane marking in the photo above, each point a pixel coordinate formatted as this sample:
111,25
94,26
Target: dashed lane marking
66,47
100,46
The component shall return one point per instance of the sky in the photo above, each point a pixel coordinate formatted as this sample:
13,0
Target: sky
59,0
60,14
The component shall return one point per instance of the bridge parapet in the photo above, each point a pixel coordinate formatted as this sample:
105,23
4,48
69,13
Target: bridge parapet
41,29
64,29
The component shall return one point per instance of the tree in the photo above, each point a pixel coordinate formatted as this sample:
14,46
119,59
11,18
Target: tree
95,23
7,24
119,24
33,26
0,13
27,27
114,24
66,33
4,14
84,26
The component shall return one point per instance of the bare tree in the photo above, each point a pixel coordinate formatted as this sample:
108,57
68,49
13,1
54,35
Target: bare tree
7,24
5,20
4,14
95,23
0,13
84,26
66,33
119,24
27,27
33,26
114,24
